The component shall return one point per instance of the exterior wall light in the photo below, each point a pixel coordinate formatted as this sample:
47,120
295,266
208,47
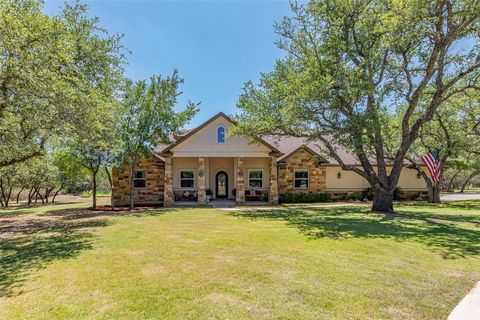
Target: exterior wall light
339,175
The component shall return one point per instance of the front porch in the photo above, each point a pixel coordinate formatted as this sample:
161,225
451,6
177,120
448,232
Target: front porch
241,180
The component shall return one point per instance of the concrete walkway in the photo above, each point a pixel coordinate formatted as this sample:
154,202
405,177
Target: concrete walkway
469,307
450,196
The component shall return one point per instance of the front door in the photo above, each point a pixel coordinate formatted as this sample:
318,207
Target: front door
221,182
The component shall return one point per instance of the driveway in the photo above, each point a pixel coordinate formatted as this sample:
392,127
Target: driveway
450,196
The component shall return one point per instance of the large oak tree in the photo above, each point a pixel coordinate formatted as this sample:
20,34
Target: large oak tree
52,68
350,63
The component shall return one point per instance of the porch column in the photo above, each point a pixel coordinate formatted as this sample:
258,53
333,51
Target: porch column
202,191
240,195
168,187
273,190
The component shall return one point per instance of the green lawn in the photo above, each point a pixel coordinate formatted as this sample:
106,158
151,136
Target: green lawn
327,263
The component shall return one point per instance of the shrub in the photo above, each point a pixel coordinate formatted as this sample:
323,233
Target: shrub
367,194
397,194
304,197
209,192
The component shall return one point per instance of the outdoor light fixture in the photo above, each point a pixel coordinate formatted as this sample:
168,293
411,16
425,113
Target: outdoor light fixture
419,175
339,175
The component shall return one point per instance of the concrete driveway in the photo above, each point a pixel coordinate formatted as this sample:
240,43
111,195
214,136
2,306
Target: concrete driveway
450,196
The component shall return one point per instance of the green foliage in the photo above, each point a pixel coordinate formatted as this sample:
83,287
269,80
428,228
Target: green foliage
149,117
303,197
54,72
349,64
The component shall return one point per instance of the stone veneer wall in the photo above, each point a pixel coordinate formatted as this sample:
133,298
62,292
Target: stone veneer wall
154,191
302,159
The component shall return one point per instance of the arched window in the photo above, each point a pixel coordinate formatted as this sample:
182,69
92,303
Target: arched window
221,135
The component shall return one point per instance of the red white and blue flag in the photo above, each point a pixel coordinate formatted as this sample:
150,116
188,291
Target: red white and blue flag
432,161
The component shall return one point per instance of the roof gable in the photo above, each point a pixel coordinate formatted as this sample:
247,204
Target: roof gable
203,139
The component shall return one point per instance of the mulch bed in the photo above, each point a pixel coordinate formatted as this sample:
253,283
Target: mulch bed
125,208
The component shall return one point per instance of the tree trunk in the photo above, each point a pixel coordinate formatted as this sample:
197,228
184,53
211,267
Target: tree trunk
30,196
434,193
433,190
450,183
2,194
38,196
56,193
94,189
382,201
132,171
465,184
9,195
47,193
110,181
19,193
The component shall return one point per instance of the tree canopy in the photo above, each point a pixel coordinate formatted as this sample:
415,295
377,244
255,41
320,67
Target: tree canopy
54,70
350,65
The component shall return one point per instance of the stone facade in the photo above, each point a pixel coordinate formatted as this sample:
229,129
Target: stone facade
302,159
273,190
240,193
202,189
154,190
168,193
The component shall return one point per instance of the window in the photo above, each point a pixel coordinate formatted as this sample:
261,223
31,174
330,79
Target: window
139,179
301,179
187,179
221,135
255,178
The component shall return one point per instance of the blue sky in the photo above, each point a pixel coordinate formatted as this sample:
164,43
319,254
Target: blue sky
215,45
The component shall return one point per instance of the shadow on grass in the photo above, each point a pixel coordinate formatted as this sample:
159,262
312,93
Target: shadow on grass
29,243
453,236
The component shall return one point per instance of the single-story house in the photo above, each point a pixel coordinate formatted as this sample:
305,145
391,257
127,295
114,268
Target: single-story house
206,163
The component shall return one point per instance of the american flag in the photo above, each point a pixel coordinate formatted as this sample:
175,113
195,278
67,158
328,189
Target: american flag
432,161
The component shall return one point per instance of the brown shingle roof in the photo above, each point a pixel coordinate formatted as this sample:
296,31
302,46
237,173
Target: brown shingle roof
282,146
287,145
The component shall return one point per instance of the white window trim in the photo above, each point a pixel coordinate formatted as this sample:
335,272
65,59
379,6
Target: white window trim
263,178
224,134
134,179
180,178
295,179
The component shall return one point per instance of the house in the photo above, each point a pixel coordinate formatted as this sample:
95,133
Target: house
207,163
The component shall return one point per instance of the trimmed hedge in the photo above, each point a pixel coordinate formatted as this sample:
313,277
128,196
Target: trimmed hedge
304,197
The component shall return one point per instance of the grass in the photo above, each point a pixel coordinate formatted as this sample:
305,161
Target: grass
38,208
100,193
323,263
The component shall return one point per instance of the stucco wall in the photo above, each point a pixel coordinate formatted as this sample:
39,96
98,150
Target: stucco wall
155,178
257,163
220,164
184,163
302,159
204,143
351,181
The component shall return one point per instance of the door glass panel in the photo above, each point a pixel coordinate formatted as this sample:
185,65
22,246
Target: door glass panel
221,185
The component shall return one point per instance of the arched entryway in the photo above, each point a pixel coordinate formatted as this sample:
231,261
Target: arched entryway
221,185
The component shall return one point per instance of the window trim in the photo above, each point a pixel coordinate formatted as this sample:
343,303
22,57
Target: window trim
295,178
224,134
138,179
180,178
248,172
